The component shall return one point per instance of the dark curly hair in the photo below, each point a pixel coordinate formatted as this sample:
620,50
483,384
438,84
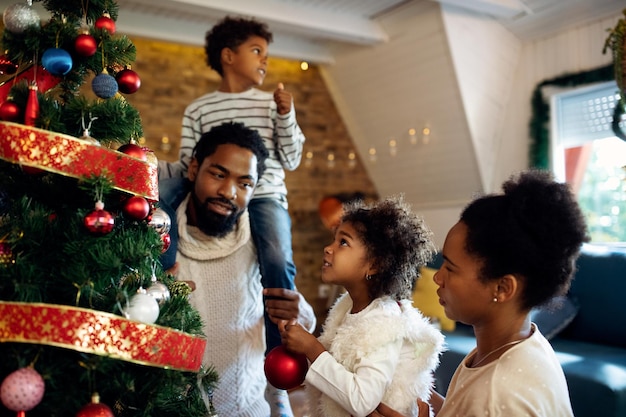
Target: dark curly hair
231,32
232,133
534,230
396,239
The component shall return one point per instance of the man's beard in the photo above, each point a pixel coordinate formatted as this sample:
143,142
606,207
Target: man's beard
214,224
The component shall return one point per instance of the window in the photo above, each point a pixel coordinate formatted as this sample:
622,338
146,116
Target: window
586,153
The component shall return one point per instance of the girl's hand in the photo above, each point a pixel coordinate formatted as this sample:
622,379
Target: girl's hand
296,339
384,411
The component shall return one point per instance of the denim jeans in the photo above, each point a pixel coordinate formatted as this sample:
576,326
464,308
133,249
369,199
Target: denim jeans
271,231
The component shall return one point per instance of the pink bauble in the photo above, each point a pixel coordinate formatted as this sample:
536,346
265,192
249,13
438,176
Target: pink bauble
137,208
22,390
133,150
284,369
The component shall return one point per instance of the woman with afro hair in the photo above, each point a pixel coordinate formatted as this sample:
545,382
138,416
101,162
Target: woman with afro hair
375,346
508,253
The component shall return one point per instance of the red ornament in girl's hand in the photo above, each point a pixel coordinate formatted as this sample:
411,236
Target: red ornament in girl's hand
284,369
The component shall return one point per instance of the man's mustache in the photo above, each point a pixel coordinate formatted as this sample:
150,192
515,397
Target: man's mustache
221,201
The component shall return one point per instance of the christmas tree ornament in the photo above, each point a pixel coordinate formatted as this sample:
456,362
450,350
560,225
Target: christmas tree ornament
19,17
158,290
104,85
95,408
180,288
136,207
57,61
85,45
22,390
105,22
9,111
86,136
32,105
284,369
6,66
99,221
160,221
167,242
133,150
142,307
6,254
128,81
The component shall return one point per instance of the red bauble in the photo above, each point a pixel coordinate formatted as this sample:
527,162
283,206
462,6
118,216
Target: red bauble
284,369
85,45
167,241
10,112
31,114
99,221
128,81
133,150
105,22
137,208
95,409
6,66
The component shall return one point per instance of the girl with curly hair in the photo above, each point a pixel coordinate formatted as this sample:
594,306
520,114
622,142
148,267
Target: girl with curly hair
375,346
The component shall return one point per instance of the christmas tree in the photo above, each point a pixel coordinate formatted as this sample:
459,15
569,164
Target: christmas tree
90,324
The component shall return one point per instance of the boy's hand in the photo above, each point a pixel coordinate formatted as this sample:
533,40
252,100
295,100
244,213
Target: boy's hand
283,99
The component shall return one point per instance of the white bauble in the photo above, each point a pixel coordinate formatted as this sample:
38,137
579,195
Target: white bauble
142,307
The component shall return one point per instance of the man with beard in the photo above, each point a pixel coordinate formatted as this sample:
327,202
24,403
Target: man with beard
214,253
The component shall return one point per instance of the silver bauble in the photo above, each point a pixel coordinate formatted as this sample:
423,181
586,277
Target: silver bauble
160,221
19,17
159,291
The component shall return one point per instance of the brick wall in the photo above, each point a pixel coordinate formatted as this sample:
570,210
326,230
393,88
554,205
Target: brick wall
173,75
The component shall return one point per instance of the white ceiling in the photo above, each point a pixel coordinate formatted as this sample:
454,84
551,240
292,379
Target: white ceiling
311,29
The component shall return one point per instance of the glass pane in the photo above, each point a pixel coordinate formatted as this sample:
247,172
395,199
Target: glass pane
596,173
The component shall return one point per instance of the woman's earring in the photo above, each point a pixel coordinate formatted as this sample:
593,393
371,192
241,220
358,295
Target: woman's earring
495,299
368,277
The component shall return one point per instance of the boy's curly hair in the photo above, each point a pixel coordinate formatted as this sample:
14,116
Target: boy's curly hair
231,32
534,230
396,239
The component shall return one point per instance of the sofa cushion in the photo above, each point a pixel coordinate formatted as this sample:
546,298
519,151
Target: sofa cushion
554,316
599,287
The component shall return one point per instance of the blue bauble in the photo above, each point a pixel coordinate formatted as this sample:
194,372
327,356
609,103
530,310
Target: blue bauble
104,85
57,61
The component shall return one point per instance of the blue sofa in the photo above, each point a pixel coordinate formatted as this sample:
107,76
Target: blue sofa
588,335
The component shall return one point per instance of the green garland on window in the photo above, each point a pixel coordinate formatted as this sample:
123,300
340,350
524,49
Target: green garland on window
539,127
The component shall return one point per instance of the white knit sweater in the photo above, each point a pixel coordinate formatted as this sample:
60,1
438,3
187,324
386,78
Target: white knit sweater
229,299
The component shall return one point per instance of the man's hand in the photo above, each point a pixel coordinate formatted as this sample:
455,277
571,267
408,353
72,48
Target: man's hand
283,99
281,304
